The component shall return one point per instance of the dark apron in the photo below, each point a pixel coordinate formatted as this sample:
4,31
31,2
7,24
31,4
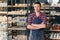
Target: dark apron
37,34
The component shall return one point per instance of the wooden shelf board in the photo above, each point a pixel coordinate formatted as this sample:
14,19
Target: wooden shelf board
21,28
54,38
53,30
19,6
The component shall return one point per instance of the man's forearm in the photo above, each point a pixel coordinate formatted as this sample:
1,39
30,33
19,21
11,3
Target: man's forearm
32,27
40,25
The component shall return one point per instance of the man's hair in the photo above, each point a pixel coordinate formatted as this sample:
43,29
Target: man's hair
37,3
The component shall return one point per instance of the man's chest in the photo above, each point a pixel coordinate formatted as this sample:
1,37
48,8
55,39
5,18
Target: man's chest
35,17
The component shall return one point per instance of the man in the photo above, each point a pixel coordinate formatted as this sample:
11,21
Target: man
37,23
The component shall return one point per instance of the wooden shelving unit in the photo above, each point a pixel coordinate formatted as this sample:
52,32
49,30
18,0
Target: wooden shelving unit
24,28
11,11
15,9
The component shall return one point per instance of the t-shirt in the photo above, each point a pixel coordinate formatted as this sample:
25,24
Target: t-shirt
32,16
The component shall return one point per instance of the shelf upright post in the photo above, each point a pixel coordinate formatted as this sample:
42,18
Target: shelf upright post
7,20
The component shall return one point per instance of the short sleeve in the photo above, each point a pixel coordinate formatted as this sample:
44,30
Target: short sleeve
44,18
29,20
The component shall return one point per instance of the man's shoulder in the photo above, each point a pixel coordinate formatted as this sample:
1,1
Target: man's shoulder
43,13
31,14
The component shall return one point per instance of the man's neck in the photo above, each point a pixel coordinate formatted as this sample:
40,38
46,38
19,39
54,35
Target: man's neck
37,13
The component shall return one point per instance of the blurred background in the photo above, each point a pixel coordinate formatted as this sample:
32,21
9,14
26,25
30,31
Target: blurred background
13,19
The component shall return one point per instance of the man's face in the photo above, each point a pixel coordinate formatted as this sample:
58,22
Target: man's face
37,7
